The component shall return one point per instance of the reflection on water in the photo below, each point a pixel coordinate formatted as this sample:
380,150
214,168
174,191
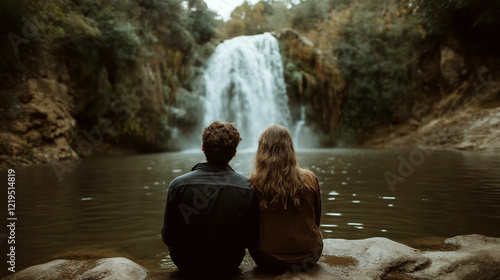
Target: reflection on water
117,203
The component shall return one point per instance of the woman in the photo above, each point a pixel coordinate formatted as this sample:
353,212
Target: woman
289,206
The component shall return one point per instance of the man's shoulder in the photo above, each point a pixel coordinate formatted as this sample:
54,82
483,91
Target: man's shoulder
183,179
223,178
241,180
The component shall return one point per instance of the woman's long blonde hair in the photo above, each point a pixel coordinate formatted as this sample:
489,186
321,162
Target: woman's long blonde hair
276,176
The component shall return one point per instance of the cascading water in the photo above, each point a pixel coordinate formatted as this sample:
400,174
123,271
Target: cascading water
299,125
245,85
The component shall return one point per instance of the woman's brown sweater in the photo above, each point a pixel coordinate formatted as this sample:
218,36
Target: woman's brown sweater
292,236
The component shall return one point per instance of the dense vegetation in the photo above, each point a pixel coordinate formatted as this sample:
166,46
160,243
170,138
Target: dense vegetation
148,56
132,61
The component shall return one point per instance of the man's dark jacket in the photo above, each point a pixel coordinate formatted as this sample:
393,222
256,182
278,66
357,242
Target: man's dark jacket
211,216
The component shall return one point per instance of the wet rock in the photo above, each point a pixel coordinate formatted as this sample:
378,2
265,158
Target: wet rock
478,257
375,257
462,257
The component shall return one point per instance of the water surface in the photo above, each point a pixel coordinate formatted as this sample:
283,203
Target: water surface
117,203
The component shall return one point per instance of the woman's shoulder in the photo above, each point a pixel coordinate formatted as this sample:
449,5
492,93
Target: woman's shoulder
310,178
307,173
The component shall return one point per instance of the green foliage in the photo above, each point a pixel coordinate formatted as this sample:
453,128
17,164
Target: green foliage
308,13
119,43
9,106
81,42
161,13
377,61
263,16
44,20
276,15
436,16
35,24
11,13
109,48
202,25
269,15
169,22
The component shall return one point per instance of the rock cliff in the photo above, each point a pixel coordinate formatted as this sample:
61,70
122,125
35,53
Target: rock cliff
52,113
313,81
43,129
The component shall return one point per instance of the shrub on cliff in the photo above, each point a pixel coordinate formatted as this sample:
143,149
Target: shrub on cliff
202,25
306,14
377,58
119,42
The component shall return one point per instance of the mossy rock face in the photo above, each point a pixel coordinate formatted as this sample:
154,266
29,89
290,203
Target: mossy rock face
313,80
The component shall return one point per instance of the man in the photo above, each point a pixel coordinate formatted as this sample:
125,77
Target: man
211,214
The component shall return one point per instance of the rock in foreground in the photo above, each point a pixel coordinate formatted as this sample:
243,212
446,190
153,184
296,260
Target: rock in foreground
461,257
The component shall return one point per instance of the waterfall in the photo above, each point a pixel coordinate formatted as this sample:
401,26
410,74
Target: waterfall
304,136
245,85
299,125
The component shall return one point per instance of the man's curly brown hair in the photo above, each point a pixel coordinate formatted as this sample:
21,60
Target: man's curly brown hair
220,140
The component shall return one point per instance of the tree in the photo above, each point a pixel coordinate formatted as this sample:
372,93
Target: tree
377,59
202,25
469,14
276,15
474,21
308,13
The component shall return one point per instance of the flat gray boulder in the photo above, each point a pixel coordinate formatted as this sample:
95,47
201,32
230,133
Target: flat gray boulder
462,257
108,268
478,258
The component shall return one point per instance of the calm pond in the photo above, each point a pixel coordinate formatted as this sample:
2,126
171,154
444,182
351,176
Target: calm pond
117,203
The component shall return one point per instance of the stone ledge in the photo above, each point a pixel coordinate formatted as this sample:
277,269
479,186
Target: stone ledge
461,257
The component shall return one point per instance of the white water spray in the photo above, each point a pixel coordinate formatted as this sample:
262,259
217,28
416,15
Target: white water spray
245,85
299,125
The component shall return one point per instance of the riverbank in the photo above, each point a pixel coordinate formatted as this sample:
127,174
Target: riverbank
469,128
461,257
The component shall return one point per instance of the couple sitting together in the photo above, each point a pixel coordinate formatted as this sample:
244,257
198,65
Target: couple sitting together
213,213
